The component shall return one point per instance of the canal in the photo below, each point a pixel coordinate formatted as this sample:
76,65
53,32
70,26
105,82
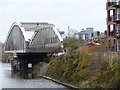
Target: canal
10,80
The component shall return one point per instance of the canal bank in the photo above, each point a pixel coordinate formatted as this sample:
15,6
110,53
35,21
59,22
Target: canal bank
42,74
59,82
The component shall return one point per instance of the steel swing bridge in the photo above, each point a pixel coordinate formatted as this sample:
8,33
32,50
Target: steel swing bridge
33,37
31,42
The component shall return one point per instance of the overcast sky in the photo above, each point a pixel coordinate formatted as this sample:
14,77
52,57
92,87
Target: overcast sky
78,14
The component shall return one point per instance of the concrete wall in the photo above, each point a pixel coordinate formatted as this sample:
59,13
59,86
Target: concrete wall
110,57
43,68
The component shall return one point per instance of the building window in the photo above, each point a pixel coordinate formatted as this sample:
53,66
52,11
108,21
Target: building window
118,48
114,41
109,42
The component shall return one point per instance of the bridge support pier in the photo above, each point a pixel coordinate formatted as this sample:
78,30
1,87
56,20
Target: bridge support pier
25,63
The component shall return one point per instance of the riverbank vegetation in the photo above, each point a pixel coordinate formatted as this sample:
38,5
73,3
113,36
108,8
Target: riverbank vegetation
6,57
92,70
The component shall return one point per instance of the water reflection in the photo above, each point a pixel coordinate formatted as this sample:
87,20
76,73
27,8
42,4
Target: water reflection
21,74
12,79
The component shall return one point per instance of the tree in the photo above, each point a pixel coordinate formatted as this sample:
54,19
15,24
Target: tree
71,42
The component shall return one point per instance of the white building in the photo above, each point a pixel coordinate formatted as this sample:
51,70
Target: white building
86,34
83,34
89,32
72,32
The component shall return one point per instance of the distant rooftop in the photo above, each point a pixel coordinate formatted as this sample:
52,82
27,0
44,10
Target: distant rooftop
92,43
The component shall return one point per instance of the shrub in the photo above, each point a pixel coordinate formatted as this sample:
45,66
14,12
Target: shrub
85,70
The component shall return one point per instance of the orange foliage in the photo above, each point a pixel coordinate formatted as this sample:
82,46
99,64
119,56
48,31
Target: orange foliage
87,49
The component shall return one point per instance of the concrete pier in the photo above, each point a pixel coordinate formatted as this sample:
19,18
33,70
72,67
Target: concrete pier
25,63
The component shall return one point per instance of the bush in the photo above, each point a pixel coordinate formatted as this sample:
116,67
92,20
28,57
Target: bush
69,68
85,70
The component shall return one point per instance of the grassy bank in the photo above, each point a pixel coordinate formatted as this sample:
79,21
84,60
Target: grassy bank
86,70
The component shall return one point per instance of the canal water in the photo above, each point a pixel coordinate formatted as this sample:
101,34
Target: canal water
10,80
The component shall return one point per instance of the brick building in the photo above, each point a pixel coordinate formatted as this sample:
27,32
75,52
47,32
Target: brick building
113,25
